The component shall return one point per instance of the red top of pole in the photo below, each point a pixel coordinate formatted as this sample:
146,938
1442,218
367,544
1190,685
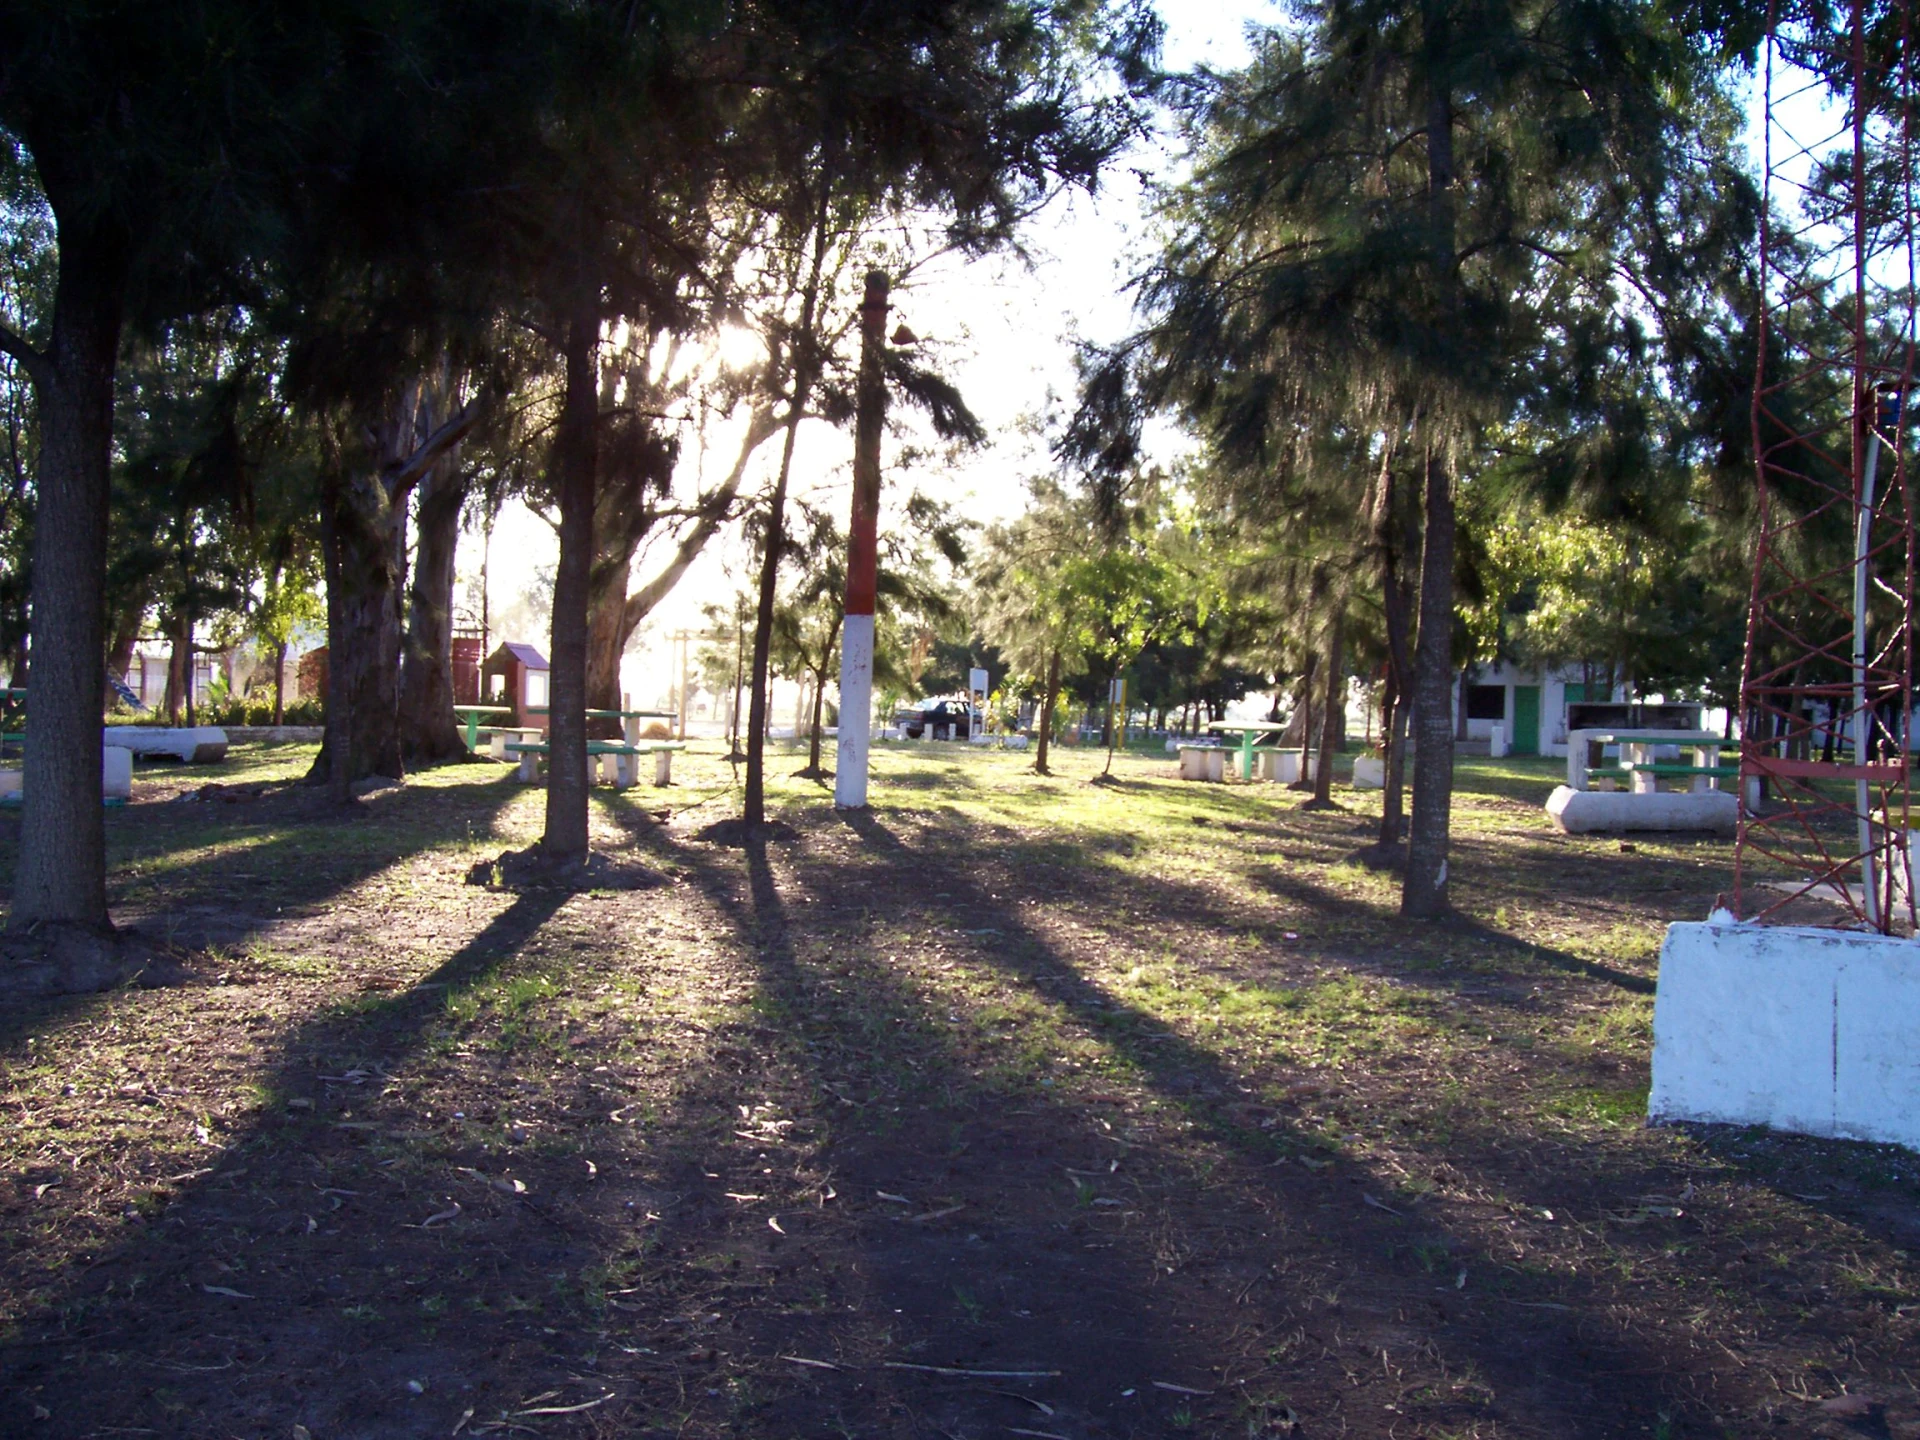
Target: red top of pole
863,526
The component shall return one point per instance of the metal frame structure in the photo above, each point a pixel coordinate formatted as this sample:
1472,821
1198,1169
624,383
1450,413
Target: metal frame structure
1826,698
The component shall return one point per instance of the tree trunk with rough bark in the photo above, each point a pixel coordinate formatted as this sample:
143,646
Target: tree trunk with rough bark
1303,717
363,540
575,455
1424,892
179,696
61,878
1047,702
819,708
430,733
607,636
1333,717
1394,552
280,683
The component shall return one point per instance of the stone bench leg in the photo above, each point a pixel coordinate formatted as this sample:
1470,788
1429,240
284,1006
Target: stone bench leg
663,767
621,771
497,747
529,768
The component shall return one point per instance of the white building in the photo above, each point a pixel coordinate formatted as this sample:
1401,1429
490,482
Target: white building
1530,705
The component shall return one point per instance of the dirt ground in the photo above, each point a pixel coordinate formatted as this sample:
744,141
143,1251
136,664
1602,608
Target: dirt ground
1015,1107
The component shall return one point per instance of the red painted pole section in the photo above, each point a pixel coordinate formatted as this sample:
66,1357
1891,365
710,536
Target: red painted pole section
863,553
863,528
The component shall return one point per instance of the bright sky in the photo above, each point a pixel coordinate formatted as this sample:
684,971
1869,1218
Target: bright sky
1005,333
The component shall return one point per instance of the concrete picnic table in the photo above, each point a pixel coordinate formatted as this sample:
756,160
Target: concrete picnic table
1636,749
630,720
472,713
1247,730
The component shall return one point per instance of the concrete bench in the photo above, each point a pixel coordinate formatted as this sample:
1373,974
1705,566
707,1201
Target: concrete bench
116,778
615,761
1203,762
497,737
1584,812
1703,777
197,744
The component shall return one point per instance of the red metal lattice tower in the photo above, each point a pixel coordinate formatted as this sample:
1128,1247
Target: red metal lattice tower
1827,687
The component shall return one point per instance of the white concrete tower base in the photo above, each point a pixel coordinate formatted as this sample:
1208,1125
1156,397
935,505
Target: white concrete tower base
1796,1029
856,713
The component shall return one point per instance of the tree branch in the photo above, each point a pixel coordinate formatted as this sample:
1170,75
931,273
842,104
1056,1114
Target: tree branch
37,366
762,425
402,476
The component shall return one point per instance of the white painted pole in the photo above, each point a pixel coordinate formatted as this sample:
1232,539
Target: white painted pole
856,712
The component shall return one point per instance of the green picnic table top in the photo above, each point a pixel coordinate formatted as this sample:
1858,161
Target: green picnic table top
1247,731
473,714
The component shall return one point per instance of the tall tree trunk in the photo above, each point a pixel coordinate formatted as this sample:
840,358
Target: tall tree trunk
819,706
362,541
1047,701
607,637
739,679
179,695
429,730
1333,716
1305,713
753,809
576,455
62,870
280,683
1396,537
1424,892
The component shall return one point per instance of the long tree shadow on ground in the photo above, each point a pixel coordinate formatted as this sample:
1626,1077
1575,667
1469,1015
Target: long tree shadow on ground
1076,1289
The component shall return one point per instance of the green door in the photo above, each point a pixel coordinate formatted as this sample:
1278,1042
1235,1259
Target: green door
1526,720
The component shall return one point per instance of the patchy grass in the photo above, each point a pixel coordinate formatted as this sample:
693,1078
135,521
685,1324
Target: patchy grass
1013,1105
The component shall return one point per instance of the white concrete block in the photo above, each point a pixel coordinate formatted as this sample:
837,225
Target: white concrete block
1197,762
1586,812
9,782
116,772
1497,741
1808,1030
1369,772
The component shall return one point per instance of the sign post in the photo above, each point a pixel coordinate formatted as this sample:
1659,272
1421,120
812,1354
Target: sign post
863,553
977,692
